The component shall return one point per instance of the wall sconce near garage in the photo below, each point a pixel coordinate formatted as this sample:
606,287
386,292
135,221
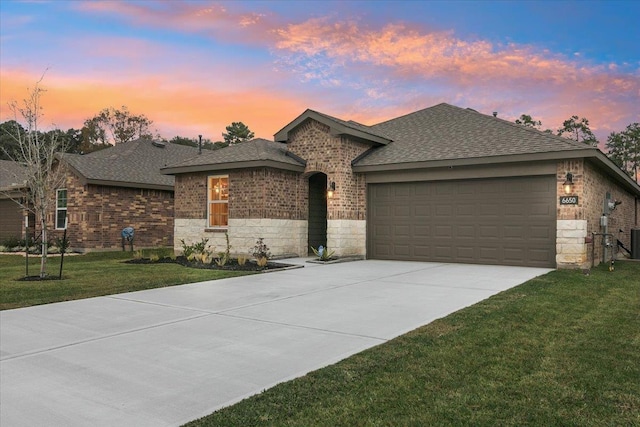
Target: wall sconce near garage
568,184
331,188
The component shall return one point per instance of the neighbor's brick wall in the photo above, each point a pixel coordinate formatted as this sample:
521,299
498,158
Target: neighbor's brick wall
97,214
332,155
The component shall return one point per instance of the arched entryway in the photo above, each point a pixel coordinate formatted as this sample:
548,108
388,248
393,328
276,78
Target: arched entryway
317,234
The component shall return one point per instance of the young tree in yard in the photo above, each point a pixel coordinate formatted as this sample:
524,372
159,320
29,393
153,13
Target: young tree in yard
624,149
237,132
37,152
117,126
578,129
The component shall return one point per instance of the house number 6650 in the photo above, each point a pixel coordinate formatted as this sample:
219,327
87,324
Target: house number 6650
569,200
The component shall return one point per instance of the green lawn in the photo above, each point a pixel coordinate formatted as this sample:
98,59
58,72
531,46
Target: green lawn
90,275
559,350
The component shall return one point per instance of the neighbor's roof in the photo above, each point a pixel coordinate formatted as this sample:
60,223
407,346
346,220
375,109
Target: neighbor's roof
255,153
337,127
134,164
12,176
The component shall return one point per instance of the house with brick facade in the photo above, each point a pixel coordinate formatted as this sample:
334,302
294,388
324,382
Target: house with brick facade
443,184
121,186
12,192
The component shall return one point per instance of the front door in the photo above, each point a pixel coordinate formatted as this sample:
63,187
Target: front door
317,211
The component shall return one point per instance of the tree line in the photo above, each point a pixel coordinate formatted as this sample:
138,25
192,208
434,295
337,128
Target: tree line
111,126
623,148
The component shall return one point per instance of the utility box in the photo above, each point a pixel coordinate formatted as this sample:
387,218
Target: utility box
635,244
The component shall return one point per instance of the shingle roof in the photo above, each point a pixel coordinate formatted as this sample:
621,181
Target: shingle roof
445,132
12,175
131,164
257,152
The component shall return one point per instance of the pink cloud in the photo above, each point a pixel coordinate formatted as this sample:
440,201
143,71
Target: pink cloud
483,71
365,73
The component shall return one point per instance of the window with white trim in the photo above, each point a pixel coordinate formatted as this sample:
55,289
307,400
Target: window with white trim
218,201
61,209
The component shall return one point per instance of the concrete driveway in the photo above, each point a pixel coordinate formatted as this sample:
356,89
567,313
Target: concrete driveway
166,356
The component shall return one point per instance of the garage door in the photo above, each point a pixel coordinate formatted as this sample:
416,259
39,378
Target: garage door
504,221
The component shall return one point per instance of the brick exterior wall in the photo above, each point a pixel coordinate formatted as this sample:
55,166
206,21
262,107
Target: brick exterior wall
332,155
578,221
97,214
253,193
267,193
261,194
263,202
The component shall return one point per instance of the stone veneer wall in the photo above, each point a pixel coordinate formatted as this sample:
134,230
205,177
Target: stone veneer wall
284,237
347,237
577,222
97,214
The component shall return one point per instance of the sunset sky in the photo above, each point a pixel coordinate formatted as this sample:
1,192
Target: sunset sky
194,67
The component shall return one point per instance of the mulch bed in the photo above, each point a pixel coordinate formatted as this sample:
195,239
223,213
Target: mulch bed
229,266
37,278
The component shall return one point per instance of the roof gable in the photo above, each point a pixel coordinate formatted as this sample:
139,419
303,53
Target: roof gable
338,127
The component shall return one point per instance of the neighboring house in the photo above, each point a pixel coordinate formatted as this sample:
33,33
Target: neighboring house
121,186
12,193
443,184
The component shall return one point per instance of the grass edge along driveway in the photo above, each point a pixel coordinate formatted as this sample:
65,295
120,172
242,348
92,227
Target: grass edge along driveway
91,275
561,349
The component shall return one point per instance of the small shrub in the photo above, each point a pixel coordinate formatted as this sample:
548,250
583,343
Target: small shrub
138,254
262,262
62,243
154,257
227,252
242,259
200,250
325,255
222,259
187,250
201,247
164,252
11,242
261,250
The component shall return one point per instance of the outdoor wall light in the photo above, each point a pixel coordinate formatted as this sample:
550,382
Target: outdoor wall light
330,189
568,183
